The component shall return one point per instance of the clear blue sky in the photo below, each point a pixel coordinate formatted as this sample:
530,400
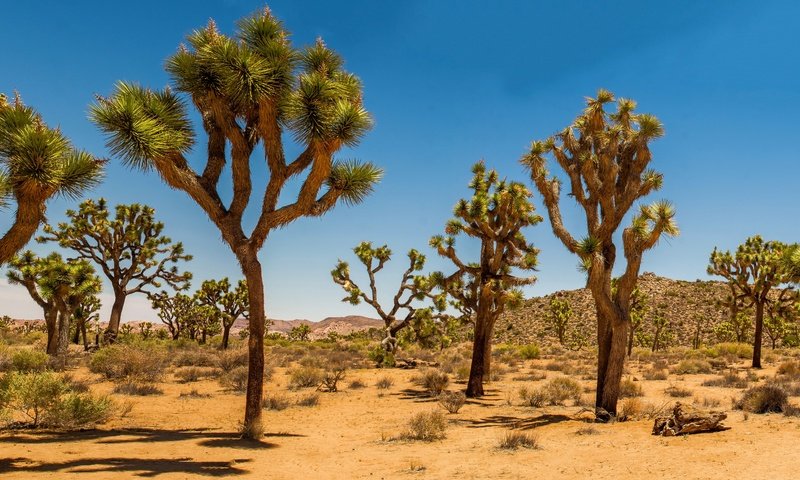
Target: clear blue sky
450,83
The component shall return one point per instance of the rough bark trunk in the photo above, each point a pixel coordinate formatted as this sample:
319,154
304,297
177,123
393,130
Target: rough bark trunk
30,213
614,366
630,340
759,334
476,371
226,333
85,337
76,337
251,268
487,356
112,330
52,332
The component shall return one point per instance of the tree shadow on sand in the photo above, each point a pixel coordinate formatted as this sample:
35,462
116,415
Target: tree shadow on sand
148,468
517,423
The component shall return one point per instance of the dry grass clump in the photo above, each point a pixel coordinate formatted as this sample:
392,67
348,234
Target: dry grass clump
692,366
452,401
275,401
763,399
555,392
310,400
235,379
707,402
630,409
655,374
728,379
384,383
630,388
434,382
227,360
144,363
356,384
532,376
193,374
304,377
331,378
515,440
426,426
676,391
137,388
790,369
194,393
587,431
195,358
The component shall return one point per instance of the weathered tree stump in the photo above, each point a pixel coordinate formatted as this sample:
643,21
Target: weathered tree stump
409,363
686,419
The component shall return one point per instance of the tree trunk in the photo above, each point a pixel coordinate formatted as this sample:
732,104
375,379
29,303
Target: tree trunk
85,338
487,356
112,330
52,332
630,340
759,334
476,371
226,333
614,363
251,268
63,337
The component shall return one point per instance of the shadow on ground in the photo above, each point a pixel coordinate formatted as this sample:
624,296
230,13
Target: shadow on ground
517,423
148,468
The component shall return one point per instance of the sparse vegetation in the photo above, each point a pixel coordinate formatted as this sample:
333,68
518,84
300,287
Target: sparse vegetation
514,440
763,399
426,426
452,401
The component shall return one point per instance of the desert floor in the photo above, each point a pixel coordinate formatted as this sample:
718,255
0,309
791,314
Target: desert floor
349,434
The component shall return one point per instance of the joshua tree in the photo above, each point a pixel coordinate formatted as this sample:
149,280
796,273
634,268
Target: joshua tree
231,304
558,318
660,328
753,271
248,89
129,249
69,284
605,157
175,311
27,269
638,310
300,333
495,215
36,163
86,314
414,288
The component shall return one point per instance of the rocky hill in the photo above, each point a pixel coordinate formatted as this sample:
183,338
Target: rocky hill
340,325
687,306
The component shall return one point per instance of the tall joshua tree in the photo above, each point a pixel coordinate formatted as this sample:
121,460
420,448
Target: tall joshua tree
230,304
85,315
36,163
405,308
27,269
248,89
605,157
129,249
753,272
495,216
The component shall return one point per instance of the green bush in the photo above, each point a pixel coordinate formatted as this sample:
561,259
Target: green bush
144,362
304,377
529,352
29,360
46,399
381,357
692,366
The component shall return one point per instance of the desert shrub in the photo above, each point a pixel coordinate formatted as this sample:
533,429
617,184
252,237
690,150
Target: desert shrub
736,350
434,382
630,388
144,363
675,391
229,359
529,352
191,374
381,357
630,409
426,426
75,384
134,387
514,440
707,402
195,358
557,366
275,401
235,379
194,393
692,366
561,389
461,371
29,360
763,399
587,431
310,400
46,399
452,401
654,374
304,377
356,384
331,378
384,383
532,376
533,398
729,380
790,369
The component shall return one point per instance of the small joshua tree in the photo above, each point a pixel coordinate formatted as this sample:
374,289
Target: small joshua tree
558,318
27,269
86,315
405,309
36,163
753,272
129,249
495,216
300,333
175,311
638,310
255,87
605,157
231,304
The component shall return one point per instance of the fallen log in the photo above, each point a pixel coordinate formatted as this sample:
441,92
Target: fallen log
686,419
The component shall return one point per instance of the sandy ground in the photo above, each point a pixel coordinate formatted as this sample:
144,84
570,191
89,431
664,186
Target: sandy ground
346,436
